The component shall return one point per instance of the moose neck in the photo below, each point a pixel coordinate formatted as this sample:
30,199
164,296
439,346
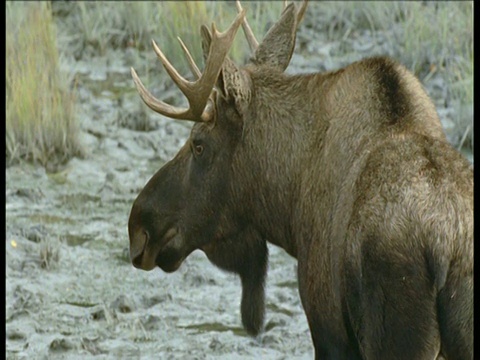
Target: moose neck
306,136
278,138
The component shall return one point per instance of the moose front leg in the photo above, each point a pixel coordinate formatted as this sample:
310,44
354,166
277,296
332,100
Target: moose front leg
245,254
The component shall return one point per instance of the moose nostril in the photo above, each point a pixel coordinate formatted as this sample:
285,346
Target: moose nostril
137,261
137,247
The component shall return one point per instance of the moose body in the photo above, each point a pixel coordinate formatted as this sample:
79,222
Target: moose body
348,171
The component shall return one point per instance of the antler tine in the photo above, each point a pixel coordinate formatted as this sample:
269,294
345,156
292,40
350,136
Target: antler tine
247,30
193,67
164,108
155,104
301,12
219,47
197,92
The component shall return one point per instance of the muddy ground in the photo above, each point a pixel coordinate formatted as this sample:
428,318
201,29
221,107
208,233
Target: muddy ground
71,292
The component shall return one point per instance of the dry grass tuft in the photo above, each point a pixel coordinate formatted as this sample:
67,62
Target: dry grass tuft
40,110
49,253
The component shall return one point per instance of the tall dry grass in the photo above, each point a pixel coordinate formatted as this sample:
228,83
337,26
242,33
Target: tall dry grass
40,109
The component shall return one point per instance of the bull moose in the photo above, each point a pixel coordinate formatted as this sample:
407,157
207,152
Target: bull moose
349,171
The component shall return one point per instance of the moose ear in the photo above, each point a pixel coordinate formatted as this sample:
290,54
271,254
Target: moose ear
278,44
232,83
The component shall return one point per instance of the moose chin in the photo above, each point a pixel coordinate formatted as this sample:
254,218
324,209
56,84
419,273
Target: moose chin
348,171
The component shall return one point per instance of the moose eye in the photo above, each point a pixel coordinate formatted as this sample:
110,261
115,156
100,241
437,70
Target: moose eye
198,149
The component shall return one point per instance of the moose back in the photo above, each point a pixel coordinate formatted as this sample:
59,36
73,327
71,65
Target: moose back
349,171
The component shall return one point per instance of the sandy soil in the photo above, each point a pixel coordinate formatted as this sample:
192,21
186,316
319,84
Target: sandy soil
70,289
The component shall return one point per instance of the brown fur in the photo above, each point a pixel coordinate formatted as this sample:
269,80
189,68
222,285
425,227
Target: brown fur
247,256
350,173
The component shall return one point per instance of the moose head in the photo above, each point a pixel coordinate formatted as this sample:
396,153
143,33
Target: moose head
204,194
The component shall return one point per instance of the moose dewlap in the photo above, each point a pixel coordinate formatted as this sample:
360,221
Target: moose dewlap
348,171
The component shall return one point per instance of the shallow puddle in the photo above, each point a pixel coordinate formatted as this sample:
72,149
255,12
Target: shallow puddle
76,240
50,219
208,327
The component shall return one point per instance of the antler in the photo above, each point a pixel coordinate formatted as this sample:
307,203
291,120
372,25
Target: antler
193,66
247,30
197,92
301,12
